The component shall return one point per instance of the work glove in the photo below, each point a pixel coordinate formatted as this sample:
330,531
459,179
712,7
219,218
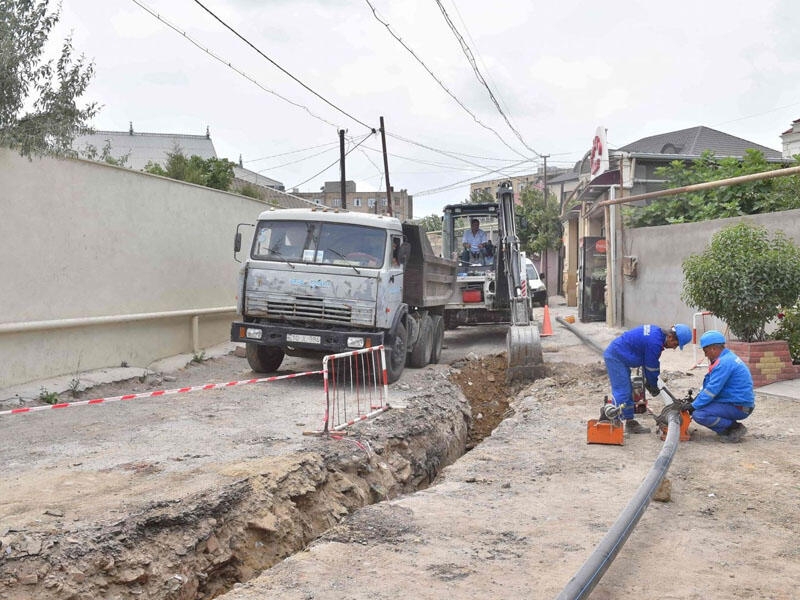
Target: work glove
653,389
686,406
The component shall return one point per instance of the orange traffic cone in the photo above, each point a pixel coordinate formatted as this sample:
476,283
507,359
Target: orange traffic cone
547,329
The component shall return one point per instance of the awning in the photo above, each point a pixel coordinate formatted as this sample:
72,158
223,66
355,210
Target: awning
599,185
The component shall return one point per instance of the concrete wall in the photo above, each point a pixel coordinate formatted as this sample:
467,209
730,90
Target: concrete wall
82,239
654,295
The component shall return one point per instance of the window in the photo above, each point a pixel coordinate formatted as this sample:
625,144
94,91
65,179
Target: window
336,202
371,202
315,242
357,202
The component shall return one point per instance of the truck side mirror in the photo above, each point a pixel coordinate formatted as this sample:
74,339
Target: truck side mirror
403,252
237,240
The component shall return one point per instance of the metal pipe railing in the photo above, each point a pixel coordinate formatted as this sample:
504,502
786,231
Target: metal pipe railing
109,319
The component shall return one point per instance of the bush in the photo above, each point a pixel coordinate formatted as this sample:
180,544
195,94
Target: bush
743,277
789,330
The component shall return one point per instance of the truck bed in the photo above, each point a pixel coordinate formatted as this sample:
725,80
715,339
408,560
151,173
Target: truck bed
429,280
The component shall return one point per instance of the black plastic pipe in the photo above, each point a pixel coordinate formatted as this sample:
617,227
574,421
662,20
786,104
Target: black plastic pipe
588,341
589,575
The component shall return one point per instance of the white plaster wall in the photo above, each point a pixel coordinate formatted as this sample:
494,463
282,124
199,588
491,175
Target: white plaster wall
84,239
654,296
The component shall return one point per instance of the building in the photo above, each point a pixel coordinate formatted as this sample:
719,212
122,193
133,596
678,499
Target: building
593,239
330,195
137,149
791,140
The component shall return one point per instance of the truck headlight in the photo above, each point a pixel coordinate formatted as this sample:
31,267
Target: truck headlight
253,333
355,342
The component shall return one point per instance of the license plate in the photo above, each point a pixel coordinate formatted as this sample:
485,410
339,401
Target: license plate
306,339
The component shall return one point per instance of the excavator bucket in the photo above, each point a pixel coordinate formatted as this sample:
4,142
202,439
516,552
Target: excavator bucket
524,352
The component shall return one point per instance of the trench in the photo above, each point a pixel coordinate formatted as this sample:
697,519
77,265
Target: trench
199,547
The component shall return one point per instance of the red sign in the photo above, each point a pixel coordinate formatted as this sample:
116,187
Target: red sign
600,246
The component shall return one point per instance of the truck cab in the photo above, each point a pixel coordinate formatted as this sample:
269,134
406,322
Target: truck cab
323,281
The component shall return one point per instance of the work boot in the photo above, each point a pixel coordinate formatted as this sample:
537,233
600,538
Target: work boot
734,434
633,426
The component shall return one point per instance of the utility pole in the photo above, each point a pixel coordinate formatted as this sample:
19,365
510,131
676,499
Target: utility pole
341,161
543,258
386,171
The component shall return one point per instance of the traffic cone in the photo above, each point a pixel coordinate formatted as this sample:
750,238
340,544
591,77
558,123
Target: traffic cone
547,329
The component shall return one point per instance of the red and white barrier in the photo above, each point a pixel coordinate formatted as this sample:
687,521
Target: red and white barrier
707,321
356,387
208,386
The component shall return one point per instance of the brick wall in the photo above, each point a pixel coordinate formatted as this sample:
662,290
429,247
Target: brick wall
768,361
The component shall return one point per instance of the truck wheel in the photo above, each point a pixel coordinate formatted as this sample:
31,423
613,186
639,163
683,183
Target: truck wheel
438,339
421,352
396,354
450,321
263,359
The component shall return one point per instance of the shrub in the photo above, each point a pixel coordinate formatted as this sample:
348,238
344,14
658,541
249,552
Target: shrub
743,276
789,330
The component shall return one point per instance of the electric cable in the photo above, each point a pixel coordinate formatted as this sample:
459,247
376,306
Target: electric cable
228,64
246,41
442,85
471,59
291,152
332,164
455,184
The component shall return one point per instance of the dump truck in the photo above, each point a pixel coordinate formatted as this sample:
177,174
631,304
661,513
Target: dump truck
492,285
321,281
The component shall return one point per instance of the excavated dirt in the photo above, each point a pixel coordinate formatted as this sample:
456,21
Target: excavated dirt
390,510
199,545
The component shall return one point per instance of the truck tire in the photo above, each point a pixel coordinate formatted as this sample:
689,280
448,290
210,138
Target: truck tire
421,352
438,339
263,359
396,354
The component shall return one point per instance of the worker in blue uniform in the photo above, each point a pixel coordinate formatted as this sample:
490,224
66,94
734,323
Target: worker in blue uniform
639,347
727,396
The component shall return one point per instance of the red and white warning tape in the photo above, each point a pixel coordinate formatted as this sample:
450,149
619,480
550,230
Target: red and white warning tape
208,386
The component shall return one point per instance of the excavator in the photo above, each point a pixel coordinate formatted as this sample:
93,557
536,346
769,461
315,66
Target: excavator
492,287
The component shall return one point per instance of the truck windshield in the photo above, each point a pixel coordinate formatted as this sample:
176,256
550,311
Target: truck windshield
315,242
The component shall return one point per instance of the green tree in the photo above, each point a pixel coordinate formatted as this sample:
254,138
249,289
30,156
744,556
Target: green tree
104,155
743,276
431,223
250,190
215,173
538,222
39,113
478,196
767,195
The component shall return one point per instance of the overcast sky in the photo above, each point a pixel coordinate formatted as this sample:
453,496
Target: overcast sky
557,69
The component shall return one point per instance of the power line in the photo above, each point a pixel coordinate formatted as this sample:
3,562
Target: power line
333,163
471,59
291,152
442,85
294,162
455,184
246,41
228,64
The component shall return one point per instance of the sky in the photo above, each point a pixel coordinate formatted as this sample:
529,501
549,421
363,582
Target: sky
476,90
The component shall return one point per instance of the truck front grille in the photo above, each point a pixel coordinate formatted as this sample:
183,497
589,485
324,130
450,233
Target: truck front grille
327,310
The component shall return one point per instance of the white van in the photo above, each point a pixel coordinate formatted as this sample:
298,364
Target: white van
536,288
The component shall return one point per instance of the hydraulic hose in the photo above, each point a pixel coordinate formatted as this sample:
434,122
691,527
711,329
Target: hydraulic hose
589,575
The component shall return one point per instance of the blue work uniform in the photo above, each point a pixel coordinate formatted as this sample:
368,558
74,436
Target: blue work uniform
727,395
637,347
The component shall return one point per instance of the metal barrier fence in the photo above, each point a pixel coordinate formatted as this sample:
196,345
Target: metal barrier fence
702,322
356,387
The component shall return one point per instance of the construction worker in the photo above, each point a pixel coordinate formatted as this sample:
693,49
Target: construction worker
639,347
474,242
727,396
